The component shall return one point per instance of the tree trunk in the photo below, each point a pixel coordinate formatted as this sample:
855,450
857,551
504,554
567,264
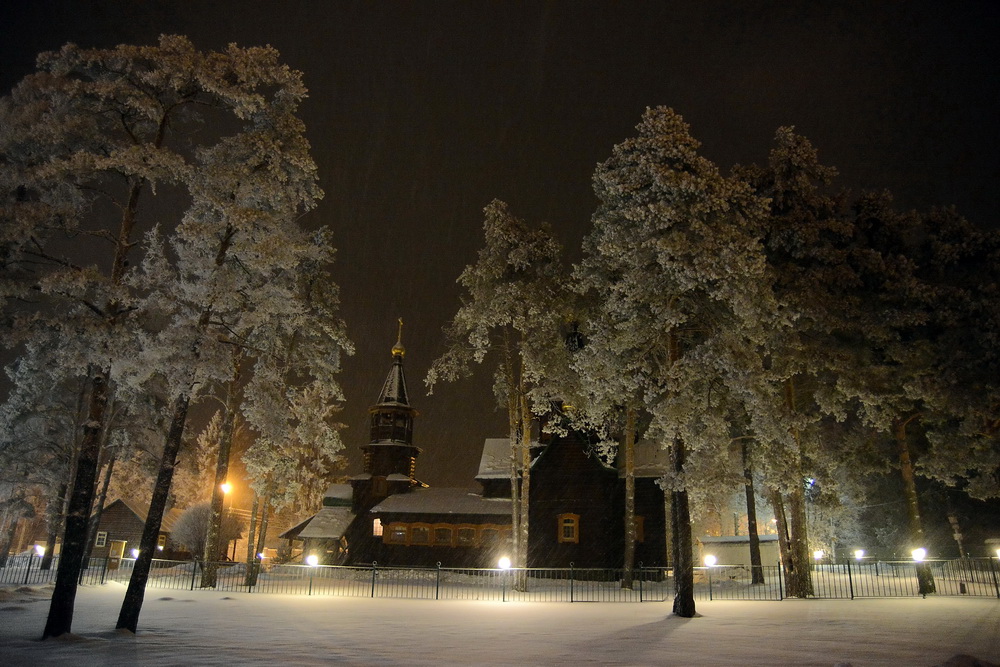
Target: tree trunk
514,427
925,578
128,618
57,510
781,525
630,536
756,568
523,525
252,560
209,573
102,496
60,618
683,556
799,544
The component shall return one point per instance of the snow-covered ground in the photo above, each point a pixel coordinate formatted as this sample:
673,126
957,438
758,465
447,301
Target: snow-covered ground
212,628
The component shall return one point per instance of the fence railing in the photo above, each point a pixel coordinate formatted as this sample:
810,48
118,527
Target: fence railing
974,577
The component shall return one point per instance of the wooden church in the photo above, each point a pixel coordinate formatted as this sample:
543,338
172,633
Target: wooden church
576,506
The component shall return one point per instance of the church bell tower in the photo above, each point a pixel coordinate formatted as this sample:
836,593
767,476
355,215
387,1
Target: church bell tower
390,456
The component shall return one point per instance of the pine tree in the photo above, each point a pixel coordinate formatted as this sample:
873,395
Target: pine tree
510,304
685,304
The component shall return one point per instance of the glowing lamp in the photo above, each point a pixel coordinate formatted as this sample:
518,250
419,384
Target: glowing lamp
818,554
504,563
39,549
859,553
710,560
312,560
998,553
226,487
919,554
135,553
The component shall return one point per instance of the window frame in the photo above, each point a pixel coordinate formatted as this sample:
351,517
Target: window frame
571,521
102,539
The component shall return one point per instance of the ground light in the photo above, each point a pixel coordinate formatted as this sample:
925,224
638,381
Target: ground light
135,553
40,550
312,560
998,554
504,563
859,554
919,554
710,560
818,554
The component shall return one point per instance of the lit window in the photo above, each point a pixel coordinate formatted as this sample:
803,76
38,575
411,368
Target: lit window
102,538
466,537
569,528
420,535
161,542
377,527
442,537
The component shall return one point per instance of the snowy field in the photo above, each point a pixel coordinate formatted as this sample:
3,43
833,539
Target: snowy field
213,628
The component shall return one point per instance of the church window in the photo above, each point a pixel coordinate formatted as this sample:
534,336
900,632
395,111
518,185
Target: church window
569,528
377,527
420,535
442,536
397,534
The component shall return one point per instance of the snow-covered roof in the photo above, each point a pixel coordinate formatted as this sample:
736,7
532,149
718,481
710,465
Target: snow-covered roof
735,539
651,460
442,501
328,523
494,463
339,492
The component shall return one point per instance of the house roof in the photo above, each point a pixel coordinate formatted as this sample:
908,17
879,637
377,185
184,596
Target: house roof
167,523
329,522
494,463
442,501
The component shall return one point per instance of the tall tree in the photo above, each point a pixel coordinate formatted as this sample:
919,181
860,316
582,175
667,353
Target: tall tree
684,293
510,301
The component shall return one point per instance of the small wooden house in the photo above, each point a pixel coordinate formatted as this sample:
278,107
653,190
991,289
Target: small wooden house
122,521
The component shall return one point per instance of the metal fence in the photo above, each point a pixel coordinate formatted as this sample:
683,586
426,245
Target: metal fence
978,577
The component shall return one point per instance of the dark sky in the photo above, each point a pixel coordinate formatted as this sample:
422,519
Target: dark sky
420,113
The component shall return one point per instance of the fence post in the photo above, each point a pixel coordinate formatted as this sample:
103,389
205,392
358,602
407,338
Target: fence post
709,570
850,580
571,581
374,568
104,571
437,584
194,571
993,571
27,572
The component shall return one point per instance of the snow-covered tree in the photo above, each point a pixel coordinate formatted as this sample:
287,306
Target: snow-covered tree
211,143
676,265
191,530
510,305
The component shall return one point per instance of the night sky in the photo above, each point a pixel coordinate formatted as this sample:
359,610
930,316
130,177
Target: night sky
420,113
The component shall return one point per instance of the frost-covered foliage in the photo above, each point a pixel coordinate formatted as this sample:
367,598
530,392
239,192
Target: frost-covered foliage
202,155
191,528
511,309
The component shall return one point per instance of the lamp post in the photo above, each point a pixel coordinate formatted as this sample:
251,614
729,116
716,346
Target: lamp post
226,488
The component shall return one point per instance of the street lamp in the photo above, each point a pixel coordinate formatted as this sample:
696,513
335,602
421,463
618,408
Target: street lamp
818,554
710,560
919,554
504,563
859,554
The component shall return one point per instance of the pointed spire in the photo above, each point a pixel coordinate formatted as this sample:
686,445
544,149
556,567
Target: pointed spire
394,389
398,349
